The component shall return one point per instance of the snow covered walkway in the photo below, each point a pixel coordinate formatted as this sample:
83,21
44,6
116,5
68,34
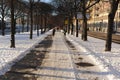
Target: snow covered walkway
8,56
108,61
58,64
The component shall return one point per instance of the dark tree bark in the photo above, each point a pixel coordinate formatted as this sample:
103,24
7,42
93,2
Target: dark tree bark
3,10
76,18
71,23
37,24
113,9
3,26
45,24
41,22
84,29
72,28
12,25
69,20
28,22
22,24
109,33
31,17
76,27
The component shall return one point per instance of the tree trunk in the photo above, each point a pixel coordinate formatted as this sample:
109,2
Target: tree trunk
109,33
113,9
27,22
41,17
84,29
31,16
69,25
3,16
45,23
76,24
23,24
72,28
3,26
12,26
37,24
37,30
76,18
76,27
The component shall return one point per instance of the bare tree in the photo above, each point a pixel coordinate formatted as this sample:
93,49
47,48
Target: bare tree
77,6
113,9
19,12
15,13
86,5
68,8
42,11
28,17
4,13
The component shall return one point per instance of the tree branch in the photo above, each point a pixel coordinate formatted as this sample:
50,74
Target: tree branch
93,4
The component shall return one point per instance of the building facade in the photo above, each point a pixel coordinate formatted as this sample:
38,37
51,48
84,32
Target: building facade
99,17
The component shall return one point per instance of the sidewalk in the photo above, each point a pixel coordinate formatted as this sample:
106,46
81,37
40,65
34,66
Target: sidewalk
58,61
8,56
58,64
108,61
44,63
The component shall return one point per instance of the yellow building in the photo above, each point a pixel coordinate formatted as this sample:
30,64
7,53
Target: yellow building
99,17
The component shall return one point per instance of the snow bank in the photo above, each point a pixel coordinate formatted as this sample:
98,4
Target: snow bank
8,56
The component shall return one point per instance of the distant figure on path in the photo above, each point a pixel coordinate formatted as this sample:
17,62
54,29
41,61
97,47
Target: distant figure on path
53,32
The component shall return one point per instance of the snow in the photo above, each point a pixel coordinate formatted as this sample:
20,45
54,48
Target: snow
109,62
8,56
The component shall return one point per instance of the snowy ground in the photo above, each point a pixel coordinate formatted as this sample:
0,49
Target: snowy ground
8,56
109,61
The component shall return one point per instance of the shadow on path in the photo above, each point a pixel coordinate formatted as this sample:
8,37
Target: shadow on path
25,68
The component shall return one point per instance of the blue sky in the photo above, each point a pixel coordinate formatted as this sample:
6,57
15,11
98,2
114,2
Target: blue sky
46,0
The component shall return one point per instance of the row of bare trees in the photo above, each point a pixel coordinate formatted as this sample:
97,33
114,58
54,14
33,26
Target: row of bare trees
4,13
70,8
36,13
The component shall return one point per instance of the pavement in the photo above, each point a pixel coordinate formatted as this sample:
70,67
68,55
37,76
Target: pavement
108,61
58,65
60,60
